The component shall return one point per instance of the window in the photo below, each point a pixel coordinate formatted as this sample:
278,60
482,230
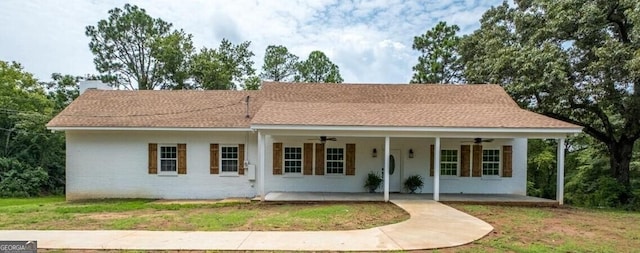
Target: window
292,160
335,160
491,162
168,159
229,158
449,162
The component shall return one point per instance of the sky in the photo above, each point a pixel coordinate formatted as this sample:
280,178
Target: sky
370,41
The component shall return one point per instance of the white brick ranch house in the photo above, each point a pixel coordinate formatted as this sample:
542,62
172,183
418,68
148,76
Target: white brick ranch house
295,137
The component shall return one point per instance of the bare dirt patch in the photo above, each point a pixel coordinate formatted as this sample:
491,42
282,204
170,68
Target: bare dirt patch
565,229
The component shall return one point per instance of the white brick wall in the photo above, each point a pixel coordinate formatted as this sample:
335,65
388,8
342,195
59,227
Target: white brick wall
113,164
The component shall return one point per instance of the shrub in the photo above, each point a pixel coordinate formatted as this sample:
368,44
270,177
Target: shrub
19,179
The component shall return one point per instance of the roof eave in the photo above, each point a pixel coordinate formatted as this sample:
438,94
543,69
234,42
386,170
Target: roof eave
537,132
185,129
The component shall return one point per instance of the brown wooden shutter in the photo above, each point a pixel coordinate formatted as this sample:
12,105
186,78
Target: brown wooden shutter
465,164
477,161
507,161
153,158
182,158
214,159
431,157
319,158
351,160
307,159
277,158
240,159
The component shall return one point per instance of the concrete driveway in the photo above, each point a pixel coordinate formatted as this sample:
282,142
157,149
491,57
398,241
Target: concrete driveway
432,225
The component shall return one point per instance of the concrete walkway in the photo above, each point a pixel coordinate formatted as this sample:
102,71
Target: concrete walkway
432,225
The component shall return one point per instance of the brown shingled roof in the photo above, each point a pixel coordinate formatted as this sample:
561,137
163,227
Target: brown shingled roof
414,105
144,108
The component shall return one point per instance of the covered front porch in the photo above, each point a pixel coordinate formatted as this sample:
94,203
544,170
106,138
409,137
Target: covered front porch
415,152
502,199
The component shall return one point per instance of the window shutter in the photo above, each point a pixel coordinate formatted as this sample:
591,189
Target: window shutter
214,161
465,164
182,158
319,158
153,158
351,160
307,163
477,161
241,159
507,161
277,158
431,153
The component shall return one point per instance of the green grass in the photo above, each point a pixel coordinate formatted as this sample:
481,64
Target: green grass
144,214
5,202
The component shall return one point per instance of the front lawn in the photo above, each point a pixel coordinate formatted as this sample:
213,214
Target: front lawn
53,213
566,229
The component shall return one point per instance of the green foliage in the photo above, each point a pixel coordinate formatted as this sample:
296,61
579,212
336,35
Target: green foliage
174,53
572,60
279,65
373,181
252,83
318,69
63,90
135,50
414,182
591,185
224,68
25,108
439,61
20,180
541,169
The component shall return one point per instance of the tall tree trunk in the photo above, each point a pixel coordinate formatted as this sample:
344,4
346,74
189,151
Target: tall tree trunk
621,153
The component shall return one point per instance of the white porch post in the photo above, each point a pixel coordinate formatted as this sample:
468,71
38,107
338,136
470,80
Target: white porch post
261,165
560,172
387,153
436,170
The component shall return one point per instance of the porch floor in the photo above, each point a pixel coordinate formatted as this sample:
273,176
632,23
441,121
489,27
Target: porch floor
501,199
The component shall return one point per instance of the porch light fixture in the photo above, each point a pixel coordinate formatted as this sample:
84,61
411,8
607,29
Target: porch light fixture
410,153
374,153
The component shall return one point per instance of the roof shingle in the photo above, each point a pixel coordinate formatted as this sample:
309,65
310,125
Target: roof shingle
414,105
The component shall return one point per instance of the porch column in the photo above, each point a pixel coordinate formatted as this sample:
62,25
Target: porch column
436,170
387,153
261,161
560,172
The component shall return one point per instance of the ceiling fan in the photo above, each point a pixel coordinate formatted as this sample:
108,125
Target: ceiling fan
324,139
478,141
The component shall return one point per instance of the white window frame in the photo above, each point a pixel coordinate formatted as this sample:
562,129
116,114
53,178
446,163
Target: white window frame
457,162
327,161
499,162
160,159
220,159
285,160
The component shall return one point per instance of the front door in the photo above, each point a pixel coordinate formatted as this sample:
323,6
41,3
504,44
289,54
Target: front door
395,168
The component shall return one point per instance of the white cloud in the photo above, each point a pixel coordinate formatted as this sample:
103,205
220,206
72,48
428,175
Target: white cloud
369,40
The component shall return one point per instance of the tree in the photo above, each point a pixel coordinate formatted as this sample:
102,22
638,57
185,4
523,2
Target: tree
135,50
252,83
29,153
174,53
572,60
224,68
62,90
318,69
439,61
279,64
